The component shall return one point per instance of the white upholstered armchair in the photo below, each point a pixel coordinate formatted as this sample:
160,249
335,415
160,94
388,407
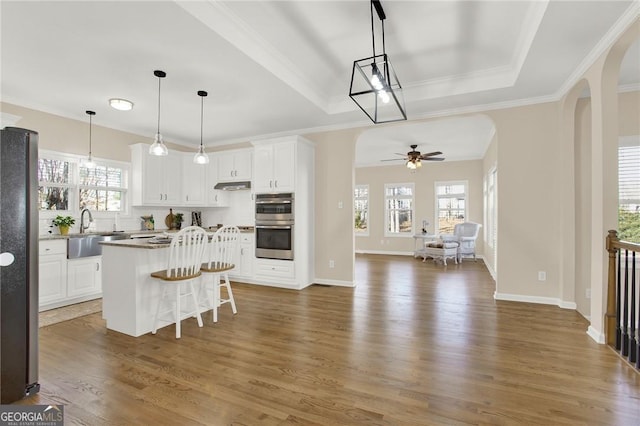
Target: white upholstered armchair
465,234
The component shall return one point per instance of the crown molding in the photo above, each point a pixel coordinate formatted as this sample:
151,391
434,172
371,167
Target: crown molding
605,43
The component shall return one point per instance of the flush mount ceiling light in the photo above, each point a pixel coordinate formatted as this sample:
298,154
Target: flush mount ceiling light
374,85
121,104
158,147
88,163
201,157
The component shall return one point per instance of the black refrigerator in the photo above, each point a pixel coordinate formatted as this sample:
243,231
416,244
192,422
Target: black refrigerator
18,264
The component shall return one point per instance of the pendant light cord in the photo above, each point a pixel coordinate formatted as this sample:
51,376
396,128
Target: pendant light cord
201,118
159,81
90,125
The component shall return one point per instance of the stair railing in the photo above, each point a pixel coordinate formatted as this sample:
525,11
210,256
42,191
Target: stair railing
623,293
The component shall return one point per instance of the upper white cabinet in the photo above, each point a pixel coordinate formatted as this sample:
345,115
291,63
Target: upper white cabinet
275,166
235,165
155,180
194,182
215,197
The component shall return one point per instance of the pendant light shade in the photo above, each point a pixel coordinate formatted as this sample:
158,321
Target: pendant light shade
158,147
201,157
374,85
88,163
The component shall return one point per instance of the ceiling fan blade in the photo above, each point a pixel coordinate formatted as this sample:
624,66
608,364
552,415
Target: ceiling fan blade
431,154
433,159
394,159
397,153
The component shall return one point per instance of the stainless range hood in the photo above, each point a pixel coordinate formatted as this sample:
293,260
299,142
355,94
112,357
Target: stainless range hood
233,186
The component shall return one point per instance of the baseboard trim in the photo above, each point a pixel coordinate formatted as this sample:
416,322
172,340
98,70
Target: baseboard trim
337,283
534,299
390,253
596,335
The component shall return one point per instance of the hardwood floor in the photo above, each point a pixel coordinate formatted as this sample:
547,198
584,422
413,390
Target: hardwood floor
413,344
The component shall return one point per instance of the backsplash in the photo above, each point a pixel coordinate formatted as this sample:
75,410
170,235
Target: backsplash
242,213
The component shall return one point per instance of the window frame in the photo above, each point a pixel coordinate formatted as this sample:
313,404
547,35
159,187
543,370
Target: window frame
368,210
438,184
75,186
411,185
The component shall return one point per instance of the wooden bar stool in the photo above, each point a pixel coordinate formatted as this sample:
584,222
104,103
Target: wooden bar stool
183,268
222,251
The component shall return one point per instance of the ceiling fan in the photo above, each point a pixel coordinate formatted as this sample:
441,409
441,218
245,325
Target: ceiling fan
414,158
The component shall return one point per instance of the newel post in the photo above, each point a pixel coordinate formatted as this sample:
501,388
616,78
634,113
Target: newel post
610,316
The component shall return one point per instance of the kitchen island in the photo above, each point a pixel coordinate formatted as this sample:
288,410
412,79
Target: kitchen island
129,294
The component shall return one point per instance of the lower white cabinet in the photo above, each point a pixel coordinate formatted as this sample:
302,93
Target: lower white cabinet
52,271
84,276
244,257
65,281
273,268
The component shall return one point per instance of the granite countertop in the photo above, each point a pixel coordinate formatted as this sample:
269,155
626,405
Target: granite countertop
243,229
135,243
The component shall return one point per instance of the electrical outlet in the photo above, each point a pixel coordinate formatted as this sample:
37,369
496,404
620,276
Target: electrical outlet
542,276
587,293
332,264
340,204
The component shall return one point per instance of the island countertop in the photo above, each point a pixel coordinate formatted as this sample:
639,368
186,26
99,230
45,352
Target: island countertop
135,243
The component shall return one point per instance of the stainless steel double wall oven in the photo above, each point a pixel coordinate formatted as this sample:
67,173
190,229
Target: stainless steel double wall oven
274,226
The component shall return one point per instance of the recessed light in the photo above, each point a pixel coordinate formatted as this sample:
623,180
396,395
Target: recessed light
121,104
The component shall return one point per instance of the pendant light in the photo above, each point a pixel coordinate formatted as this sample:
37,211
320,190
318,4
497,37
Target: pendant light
201,157
374,84
158,147
88,163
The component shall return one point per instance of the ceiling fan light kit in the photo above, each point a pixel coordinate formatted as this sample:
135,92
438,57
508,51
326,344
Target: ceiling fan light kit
414,158
158,147
374,84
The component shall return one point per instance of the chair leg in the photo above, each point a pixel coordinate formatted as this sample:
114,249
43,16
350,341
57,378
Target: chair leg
216,296
178,311
155,317
230,294
196,306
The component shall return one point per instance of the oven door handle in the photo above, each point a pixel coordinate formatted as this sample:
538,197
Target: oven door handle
274,202
273,226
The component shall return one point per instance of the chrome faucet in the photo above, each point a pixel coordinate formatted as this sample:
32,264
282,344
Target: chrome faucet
82,226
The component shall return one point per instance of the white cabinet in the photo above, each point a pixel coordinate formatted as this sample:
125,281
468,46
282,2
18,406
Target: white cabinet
235,166
84,276
52,271
244,257
215,197
194,182
65,281
155,180
274,169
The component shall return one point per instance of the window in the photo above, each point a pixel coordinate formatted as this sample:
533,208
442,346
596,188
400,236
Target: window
451,205
629,191
101,188
492,208
54,183
65,184
399,205
361,210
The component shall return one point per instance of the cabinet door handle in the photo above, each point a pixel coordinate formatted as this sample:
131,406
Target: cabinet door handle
275,183
241,251
97,266
187,198
160,197
216,198
270,184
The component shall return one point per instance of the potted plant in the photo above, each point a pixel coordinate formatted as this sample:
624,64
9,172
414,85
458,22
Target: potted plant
64,223
177,220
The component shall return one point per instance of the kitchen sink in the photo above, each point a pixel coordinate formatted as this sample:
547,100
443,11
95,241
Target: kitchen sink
85,245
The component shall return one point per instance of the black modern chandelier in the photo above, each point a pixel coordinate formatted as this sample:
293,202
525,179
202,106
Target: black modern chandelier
374,85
